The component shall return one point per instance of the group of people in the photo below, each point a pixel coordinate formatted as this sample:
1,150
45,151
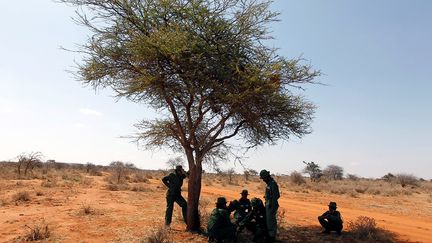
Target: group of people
254,215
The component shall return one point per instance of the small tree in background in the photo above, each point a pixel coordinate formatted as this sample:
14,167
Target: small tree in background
230,173
313,169
120,170
333,172
389,177
297,178
28,161
173,162
407,180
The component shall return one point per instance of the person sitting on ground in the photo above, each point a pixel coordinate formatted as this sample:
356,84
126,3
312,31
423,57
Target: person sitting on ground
240,207
255,220
219,226
331,220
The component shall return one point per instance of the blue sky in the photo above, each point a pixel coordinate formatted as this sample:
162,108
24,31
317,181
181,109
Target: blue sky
373,116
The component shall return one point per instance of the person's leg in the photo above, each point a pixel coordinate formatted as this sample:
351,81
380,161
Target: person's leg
183,204
324,224
271,224
169,209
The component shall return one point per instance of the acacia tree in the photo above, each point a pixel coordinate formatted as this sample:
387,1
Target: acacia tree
202,65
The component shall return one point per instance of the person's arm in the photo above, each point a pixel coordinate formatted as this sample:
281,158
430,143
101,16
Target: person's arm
324,215
274,194
166,180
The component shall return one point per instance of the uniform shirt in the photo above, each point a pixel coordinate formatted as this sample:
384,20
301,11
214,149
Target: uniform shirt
219,218
243,207
272,194
333,218
174,183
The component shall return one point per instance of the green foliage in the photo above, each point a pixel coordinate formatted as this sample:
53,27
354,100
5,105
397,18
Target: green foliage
200,63
313,169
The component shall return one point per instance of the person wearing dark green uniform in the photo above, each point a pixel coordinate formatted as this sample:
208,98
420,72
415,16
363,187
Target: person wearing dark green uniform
271,204
174,182
331,220
241,207
255,220
219,226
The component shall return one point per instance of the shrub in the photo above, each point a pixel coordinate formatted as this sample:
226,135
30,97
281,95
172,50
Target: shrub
87,209
22,196
38,232
280,216
406,179
352,177
159,236
297,178
333,172
365,229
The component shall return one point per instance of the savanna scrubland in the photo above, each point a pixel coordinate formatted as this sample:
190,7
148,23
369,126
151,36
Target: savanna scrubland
56,202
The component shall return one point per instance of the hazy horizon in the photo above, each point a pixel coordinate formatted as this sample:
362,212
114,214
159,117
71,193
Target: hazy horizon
373,116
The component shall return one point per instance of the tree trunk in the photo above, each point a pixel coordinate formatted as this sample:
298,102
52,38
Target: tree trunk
194,191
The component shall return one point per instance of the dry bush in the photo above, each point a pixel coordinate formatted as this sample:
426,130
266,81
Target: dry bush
407,180
87,209
117,187
159,236
139,177
297,178
21,197
280,217
37,232
49,183
140,188
39,193
365,229
204,213
352,177
361,189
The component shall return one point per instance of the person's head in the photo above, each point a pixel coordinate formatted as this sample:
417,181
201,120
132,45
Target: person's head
221,202
179,170
256,203
244,194
332,206
265,175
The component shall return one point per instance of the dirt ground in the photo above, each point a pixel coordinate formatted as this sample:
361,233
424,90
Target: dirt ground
89,212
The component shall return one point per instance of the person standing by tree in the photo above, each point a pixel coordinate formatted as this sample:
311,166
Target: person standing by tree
271,204
174,182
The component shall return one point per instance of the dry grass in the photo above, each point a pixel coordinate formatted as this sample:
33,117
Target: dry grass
37,232
158,236
22,196
365,229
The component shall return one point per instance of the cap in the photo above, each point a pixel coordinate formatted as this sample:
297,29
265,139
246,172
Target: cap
221,200
332,205
264,174
245,192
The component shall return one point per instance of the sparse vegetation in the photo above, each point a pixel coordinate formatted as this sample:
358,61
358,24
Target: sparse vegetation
37,232
365,229
333,172
407,180
159,236
22,196
297,178
313,169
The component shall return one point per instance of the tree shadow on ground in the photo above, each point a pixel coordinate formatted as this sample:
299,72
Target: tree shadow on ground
297,233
